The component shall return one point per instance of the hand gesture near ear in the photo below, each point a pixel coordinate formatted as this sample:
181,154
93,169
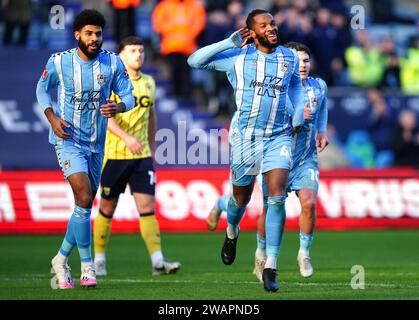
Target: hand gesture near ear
240,37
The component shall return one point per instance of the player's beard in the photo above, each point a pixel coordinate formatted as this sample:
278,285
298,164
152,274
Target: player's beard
85,49
265,42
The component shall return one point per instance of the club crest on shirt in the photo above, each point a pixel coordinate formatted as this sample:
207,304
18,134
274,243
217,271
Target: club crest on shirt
314,102
285,66
101,79
313,99
67,164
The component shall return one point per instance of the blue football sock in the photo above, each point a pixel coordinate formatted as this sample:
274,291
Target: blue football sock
275,222
69,241
234,215
261,242
222,202
83,232
305,242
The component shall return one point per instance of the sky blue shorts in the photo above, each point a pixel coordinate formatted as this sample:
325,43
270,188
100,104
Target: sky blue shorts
249,157
304,176
73,160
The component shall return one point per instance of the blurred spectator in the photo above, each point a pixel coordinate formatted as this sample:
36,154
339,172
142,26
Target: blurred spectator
17,15
105,8
302,6
333,157
257,4
179,24
380,121
340,21
365,64
125,19
213,5
293,26
383,11
278,6
409,74
406,140
391,75
333,5
220,24
360,149
324,44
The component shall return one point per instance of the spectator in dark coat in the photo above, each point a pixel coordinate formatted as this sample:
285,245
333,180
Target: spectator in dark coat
380,122
405,141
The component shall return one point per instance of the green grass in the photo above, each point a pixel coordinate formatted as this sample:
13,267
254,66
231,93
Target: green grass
390,260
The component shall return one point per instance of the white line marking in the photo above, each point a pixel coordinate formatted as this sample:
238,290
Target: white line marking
174,281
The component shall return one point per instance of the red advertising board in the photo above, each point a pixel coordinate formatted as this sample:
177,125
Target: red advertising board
41,201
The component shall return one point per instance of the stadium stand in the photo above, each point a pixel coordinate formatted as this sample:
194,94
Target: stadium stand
210,103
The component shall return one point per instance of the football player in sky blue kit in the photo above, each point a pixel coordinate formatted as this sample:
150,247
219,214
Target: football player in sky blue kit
85,77
262,74
304,174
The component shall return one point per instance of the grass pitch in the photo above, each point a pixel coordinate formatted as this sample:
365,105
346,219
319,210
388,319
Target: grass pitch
390,260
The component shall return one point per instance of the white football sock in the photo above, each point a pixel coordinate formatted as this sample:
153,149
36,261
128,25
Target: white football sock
100,256
271,262
232,232
260,254
85,265
60,258
156,258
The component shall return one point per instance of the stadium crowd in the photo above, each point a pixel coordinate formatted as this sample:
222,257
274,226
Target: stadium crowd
381,57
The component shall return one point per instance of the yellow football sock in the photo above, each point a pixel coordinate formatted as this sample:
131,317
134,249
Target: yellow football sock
101,232
150,232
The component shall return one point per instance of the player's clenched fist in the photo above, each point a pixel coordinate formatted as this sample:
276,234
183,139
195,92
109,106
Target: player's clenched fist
109,109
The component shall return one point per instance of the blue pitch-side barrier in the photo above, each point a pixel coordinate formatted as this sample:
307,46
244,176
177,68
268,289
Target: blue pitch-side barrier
24,128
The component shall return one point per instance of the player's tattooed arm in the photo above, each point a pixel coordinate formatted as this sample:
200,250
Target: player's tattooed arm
240,37
57,124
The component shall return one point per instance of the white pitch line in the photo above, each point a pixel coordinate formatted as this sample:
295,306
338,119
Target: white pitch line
299,284
303,284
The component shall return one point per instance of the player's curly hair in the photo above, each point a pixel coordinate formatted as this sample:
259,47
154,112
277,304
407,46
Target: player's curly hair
251,15
88,17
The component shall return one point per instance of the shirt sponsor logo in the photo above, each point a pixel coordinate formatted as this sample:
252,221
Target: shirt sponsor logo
144,102
86,100
268,86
